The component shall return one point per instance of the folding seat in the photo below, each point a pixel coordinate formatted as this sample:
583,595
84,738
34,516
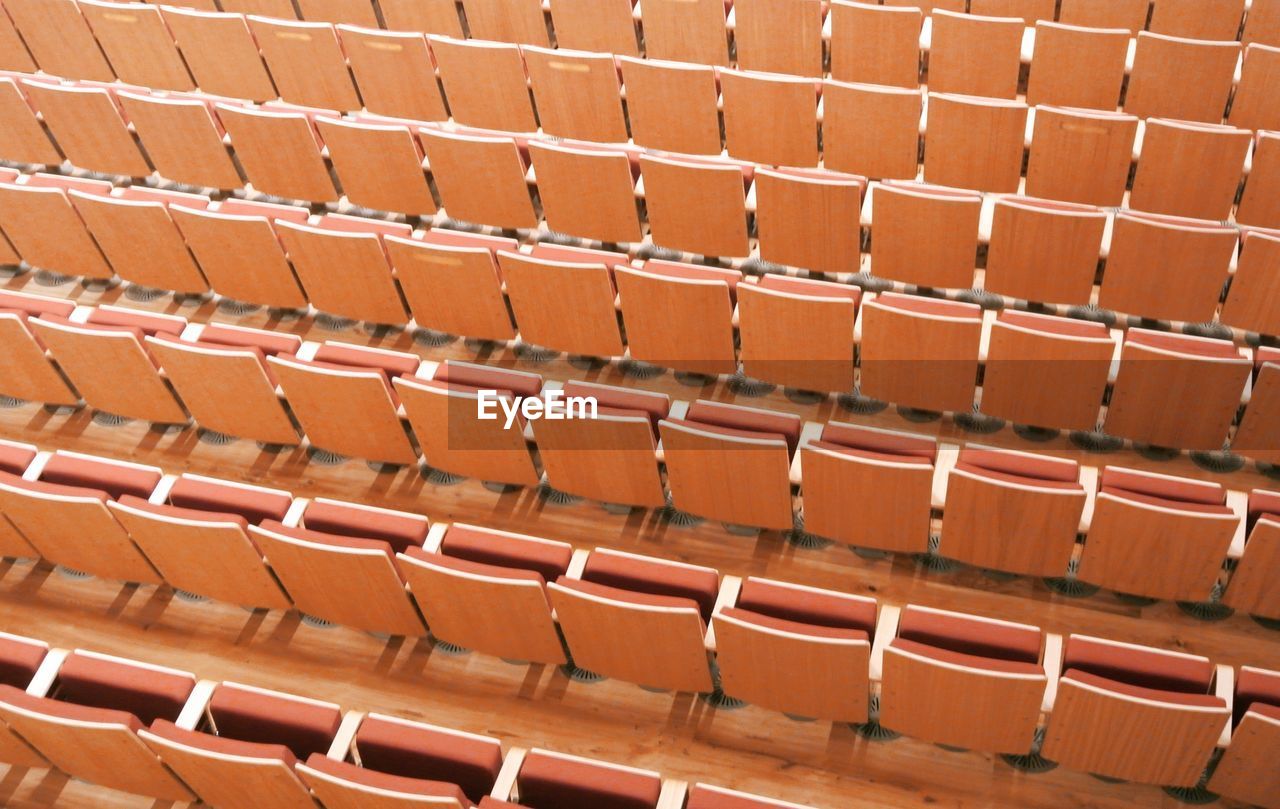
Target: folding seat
341,567
22,139
1110,697
480,179
349,12
975,143
1046,371
638,619
422,16
810,219
27,373
772,631
15,459
139,239
1157,368
485,590
59,507
182,138
1197,19
1262,23
45,229
306,63
394,72
1130,15
1260,202
134,38
609,213
548,780
445,413
925,235
1165,267
920,353
1077,67
452,284
87,127
83,713
279,153
777,36
485,83
769,118
111,368
706,796
973,55
343,267
244,736
518,21
1250,588
279,9
988,486
1245,773
13,53
196,534
1081,155
1030,11
1255,102
1044,251
1186,79
59,39
731,463
697,205
964,680
680,316
379,165
1257,435
686,31
1171,151
577,94
871,131
563,299
1253,303
798,333
611,455
895,60
606,26
345,403
403,763
20,659
671,106
221,53
222,375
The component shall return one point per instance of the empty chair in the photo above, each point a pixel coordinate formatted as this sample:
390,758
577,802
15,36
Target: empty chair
1259,203
1155,368
1263,23
1111,695
577,94
974,55
798,333
1044,251
485,83
975,142
350,12
769,118
15,56
345,403
20,659
452,283
1243,772
220,52
183,140
1174,150
1256,436
965,681
1198,19
1253,303
1081,155
671,106
27,373
518,21
1255,101
88,128
809,219
705,796
563,299
22,138
920,353
1130,15
379,166
279,153
1077,67
680,316
687,31
59,39
280,9
60,510
480,179
898,466
779,36
925,235
445,413
590,25
929,6
548,780
15,459
1046,371
134,38
894,61
343,267
638,619
774,630
1030,11
608,214
485,590
1165,267
306,63
394,71
697,206
47,232
871,131
1250,587
86,722
1157,536
731,463
1180,78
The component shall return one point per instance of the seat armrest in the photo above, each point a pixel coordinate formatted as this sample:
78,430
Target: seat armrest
673,794
435,537
293,517
346,735
886,631
160,495
505,784
197,703
1225,687
1052,670
42,682
577,564
730,586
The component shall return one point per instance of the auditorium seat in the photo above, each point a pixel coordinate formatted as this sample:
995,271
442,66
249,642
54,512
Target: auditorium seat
1171,150
1251,587
696,205
779,36
809,219
59,39
281,9
1257,434
351,12
1029,11
925,235
671,106
391,67
1258,204
770,118
871,131
1197,19
1044,251
137,43
279,153
1081,156
894,61
608,214
577,94
183,139
974,55
28,374
687,31
87,125
602,26
1130,15
974,142
1077,67
22,139
1253,302
1244,773
705,796
20,659
679,316
1254,104
220,52
548,780
1263,23
306,63
481,179
13,53
485,83
1184,79
798,333
342,265
452,283
379,164
563,298
517,21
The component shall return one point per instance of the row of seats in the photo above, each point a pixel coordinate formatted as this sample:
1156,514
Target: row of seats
161,733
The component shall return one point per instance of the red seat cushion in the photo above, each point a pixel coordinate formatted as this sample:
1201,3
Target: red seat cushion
970,635
36,304
749,419
807,606
1054,325
323,538
1156,694
357,774
15,458
960,659
701,585
1256,687
394,363
268,342
1162,502
19,698
421,752
41,487
250,716
869,455
475,544
400,531
220,744
175,512
1169,488
479,376
820,289
1019,464
547,782
1026,480
19,661
700,797
254,504
147,322
655,405
628,596
883,441
112,478
143,692
794,627
478,568
1149,668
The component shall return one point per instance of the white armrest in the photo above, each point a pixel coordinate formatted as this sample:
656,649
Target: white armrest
577,563
293,517
161,493
504,785
37,466
1052,670
886,631
672,795
1089,480
435,537
346,735
730,586
42,682
1225,687
1239,503
948,455
193,711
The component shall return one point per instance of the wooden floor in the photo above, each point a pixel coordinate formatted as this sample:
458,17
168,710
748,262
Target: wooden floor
749,749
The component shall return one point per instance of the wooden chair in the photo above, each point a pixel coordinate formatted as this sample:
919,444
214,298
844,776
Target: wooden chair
1030,11
485,83
925,235
929,6
770,118
920,353
279,9
27,373
183,140
798,333
1254,104
1253,303
21,136
1257,434
15,55
578,94
1185,79
306,63
697,206
564,300
1130,15
1262,24
1044,251
679,316
1217,19
1258,204
1242,773
1077,67
452,283
1046,371
379,165
687,31
518,21
895,60
975,143
136,41
553,779
671,106
343,267
603,209
1172,148
422,16
777,36
394,70
220,52
59,39
974,55
809,219
279,153
139,239
22,658
47,232
1249,589
480,179
359,12
1081,155
1157,536
87,126
871,131
601,27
